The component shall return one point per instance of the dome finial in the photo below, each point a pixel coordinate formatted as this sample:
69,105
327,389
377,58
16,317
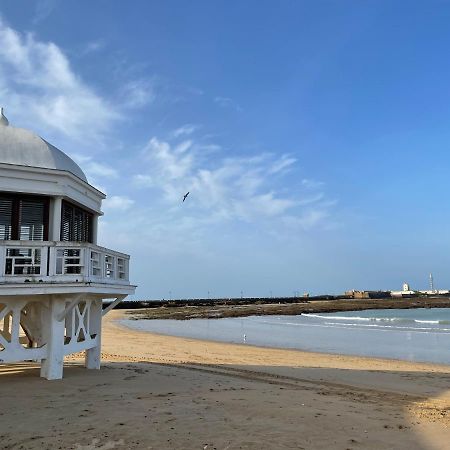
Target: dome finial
3,120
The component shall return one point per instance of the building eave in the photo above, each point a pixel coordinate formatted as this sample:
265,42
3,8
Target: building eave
102,290
51,182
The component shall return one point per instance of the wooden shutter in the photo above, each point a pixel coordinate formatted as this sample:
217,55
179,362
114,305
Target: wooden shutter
6,206
31,222
76,224
66,222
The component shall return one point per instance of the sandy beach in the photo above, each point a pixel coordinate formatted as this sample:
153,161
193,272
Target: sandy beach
157,391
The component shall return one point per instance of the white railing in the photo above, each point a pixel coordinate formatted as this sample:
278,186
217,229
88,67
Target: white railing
44,261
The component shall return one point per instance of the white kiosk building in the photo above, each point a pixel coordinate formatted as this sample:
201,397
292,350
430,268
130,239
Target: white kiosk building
53,275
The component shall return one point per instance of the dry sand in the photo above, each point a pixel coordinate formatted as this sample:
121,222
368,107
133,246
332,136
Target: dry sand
165,392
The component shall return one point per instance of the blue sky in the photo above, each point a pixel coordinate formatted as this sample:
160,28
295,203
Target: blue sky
312,135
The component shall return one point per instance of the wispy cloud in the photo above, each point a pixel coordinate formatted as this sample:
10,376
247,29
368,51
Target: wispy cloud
226,102
185,130
312,184
240,188
142,180
40,86
93,47
95,169
138,93
282,164
167,163
43,8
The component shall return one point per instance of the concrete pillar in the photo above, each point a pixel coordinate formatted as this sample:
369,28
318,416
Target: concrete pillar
55,219
94,229
52,366
93,355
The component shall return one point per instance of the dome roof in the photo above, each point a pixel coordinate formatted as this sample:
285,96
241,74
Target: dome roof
24,148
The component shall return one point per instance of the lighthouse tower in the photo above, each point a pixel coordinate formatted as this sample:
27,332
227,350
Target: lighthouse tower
53,275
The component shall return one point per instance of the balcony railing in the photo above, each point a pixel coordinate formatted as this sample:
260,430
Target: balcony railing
42,261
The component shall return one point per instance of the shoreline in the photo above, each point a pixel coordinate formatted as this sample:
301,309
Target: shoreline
119,324
230,353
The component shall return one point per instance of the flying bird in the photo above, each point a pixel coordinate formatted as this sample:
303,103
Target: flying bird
185,196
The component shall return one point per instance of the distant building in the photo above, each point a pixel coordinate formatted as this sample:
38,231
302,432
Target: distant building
433,290
405,292
367,294
436,292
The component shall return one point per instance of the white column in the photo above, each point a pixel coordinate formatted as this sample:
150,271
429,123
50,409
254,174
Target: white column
94,229
55,220
93,355
52,366
2,261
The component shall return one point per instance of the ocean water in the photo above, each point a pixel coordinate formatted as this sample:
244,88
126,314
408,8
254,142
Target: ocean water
412,334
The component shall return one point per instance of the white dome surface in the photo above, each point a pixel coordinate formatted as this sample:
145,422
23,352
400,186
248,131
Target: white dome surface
24,148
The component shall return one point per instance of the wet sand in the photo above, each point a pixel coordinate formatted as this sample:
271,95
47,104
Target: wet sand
159,391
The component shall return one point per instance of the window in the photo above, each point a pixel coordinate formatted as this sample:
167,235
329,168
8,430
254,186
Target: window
76,224
23,218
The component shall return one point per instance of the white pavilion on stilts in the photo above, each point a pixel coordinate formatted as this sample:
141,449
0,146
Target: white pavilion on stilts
53,275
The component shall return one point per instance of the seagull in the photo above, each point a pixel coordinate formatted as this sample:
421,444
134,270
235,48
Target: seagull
185,196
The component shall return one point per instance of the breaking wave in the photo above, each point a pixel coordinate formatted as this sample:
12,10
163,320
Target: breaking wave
378,319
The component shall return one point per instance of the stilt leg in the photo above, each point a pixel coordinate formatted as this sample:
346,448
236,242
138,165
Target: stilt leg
93,355
52,366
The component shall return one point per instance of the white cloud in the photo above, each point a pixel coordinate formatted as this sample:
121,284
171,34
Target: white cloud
183,147
94,169
138,93
142,180
38,84
118,203
97,169
282,164
168,164
264,205
241,188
